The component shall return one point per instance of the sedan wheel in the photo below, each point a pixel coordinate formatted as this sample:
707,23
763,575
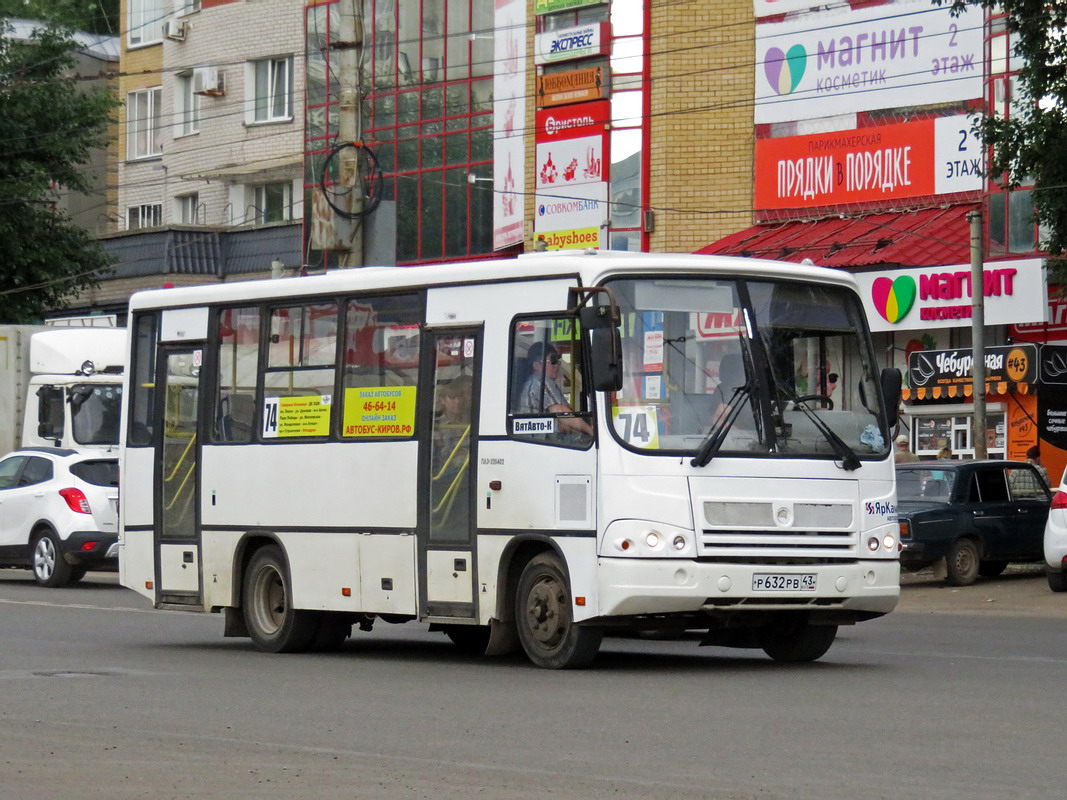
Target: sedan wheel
962,563
49,568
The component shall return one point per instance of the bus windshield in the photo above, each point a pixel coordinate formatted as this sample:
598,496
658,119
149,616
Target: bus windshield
744,366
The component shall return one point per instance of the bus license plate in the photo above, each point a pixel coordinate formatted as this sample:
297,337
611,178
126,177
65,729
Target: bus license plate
777,582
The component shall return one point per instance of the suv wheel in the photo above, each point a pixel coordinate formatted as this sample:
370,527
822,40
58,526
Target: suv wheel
49,568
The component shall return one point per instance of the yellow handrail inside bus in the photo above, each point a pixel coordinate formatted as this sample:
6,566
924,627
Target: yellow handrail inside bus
459,443
185,452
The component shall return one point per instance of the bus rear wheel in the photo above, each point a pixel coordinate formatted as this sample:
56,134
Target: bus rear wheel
546,627
272,622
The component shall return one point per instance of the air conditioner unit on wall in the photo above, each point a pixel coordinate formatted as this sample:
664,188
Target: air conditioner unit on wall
175,29
208,80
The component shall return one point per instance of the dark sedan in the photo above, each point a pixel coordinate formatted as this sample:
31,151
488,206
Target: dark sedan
977,515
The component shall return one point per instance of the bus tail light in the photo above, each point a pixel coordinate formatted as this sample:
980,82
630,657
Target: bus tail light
76,500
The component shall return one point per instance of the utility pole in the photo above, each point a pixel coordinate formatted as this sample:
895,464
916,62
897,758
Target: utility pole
349,48
978,433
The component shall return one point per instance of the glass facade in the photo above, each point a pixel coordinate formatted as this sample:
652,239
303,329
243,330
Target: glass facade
426,75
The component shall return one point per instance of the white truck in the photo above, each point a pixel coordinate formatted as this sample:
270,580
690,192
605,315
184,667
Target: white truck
60,387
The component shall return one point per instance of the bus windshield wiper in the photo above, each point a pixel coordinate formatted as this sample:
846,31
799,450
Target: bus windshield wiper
717,435
849,459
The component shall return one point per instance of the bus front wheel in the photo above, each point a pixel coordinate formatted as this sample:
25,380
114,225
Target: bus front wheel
274,625
545,623
798,640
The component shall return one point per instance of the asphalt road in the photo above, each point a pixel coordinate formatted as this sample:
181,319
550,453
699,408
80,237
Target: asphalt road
955,695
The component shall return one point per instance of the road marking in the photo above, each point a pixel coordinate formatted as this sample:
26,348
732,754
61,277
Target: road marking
76,605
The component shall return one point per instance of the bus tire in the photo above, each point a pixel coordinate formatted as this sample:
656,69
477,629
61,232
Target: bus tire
273,624
798,641
547,630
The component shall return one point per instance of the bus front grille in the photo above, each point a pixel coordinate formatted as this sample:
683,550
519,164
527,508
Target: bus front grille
776,542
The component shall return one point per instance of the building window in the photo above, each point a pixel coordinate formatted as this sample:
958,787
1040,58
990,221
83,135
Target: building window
189,209
273,82
145,22
143,135
273,202
147,215
430,99
187,105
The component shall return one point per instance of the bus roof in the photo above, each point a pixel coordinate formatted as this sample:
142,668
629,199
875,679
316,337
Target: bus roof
590,267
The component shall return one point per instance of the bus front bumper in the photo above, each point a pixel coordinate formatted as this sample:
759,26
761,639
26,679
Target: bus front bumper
631,586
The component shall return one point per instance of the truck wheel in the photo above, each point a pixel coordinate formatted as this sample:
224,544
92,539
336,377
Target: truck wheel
49,568
798,641
961,563
547,629
273,624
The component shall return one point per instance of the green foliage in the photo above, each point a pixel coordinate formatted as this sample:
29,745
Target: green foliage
49,124
94,16
1032,143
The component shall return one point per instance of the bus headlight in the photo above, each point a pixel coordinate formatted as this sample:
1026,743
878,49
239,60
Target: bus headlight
888,542
873,544
635,538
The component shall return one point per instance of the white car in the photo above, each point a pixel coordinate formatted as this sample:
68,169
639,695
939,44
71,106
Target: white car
1056,539
58,513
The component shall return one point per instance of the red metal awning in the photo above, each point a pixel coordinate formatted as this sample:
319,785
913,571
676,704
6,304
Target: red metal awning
923,238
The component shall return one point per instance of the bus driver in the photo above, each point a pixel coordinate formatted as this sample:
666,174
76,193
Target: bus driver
542,391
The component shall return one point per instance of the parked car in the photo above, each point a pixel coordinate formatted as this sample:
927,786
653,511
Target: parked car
1056,540
58,513
977,515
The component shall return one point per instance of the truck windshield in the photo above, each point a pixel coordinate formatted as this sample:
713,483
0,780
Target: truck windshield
95,410
753,367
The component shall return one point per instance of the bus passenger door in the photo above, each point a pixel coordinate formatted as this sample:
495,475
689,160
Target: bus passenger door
178,478
447,520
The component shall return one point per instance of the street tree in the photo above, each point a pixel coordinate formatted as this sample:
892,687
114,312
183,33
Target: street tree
91,16
49,124
1029,146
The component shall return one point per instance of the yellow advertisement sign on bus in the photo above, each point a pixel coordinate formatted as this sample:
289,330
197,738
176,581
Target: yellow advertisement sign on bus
379,411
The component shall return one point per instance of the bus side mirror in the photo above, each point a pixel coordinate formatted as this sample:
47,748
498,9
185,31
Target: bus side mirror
602,322
891,383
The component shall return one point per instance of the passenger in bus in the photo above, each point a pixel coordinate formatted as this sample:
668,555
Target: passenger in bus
542,392
452,421
451,456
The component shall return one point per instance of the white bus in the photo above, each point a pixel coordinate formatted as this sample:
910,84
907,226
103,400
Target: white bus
523,453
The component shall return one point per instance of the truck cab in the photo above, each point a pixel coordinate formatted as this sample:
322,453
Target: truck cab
74,392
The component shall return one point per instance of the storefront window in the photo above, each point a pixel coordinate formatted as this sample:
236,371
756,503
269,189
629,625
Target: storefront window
932,432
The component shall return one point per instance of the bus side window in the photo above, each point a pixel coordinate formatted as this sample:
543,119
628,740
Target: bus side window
298,379
143,380
547,403
238,368
380,375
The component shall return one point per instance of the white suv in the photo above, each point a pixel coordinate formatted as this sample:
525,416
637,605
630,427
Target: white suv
1056,539
58,513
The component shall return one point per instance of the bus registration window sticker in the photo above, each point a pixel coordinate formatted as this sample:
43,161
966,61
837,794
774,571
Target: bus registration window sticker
296,416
